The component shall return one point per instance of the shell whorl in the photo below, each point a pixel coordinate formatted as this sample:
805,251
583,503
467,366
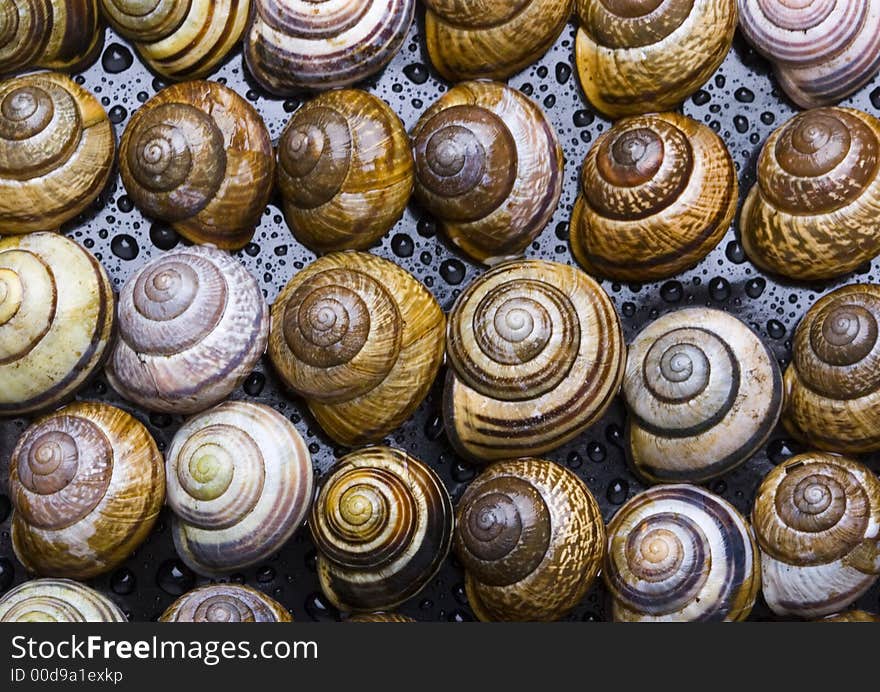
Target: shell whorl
57,600
225,603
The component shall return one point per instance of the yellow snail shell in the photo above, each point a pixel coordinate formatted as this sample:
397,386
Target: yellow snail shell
57,600
225,603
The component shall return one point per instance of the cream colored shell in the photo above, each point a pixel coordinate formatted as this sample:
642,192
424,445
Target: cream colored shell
57,600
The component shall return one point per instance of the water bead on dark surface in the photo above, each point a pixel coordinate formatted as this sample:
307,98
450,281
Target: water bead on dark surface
117,114
614,434
116,58
266,574
124,247
124,204
253,385
402,245
617,491
672,291
462,472
123,581
563,72
596,451
734,252
416,73
427,228
459,616
755,287
875,98
719,289
744,95
701,98
7,574
574,460
252,249
775,329
320,610
434,427
583,118
741,123
175,578
782,449
163,237
452,271
628,309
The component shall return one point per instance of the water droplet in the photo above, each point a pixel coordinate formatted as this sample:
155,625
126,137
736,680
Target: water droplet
462,472
583,118
596,451
459,616
252,249
319,610
402,245
416,72
312,561
124,247
265,574
734,252
628,309
117,114
253,385
780,450
719,289
452,271
574,460
7,574
775,329
563,72
427,228
116,58
175,578
672,291
744,95
434,427
124,204
768,118
123,581
5,508
459,594
617,491
719,487
163,237
614,434
701,98
741,123
755,287
290,105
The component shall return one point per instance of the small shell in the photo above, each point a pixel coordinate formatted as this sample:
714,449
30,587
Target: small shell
225,603
57,600
852,616
380,617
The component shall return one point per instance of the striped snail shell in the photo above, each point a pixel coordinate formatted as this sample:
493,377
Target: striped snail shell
225,603
704,394
817,521
86,485
491,38
180,39
57,600
658,192
345,171
323,44
239,484
680,553
56,151
56,321
642,56
531,539
379,617
382,523
536,356
822,50
361,340
813,212
200,157
192,325
852,616
488,167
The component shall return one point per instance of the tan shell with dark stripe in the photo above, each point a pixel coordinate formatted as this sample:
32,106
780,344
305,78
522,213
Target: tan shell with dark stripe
225,603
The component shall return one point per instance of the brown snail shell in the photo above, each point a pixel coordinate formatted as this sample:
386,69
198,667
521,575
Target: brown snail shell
86,484
56,321
361,340
382,523
56,151
531,539
198,156
536,356
239,484
491,38
345,171
658,192
57,600
817,520
225,603
379,617
813,212
193,324
649,55
488,167
852,616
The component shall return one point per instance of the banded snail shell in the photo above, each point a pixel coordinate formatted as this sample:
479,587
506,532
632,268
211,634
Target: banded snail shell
57,600
379,617
852,616
225,603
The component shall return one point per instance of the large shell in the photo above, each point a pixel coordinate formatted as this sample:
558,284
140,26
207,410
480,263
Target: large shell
56,151
57,600
488,167
56,321
345,171
382,523
680,553
361,340
86,483
531,539
704,394
225,603
192,325
379,617
200,157
658,192
536,356
650,55
239,484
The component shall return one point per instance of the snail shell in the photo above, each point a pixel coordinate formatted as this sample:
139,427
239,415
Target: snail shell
323,44
57,600
180,39
658,192
491,38
821,50
86,484
239,484
382,523
817,521
703,393
642,56
680,553
813,212
56,321
488,167
536,356
852,616
200,157
345,171
56,151
361,340
380,617
225,603
192,325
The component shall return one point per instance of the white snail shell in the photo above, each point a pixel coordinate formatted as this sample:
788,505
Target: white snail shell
225,603
57,600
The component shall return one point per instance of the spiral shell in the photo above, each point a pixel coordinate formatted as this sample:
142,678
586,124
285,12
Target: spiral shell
488,167
360,340
813,212
852,616
382,523
640,56
658,192
57,600
192,325
56,151
531,538
704,394
200,157
817,521
56,321
86,484
345,171
380,617
536,356
680,553
323,44
225,603
239,484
